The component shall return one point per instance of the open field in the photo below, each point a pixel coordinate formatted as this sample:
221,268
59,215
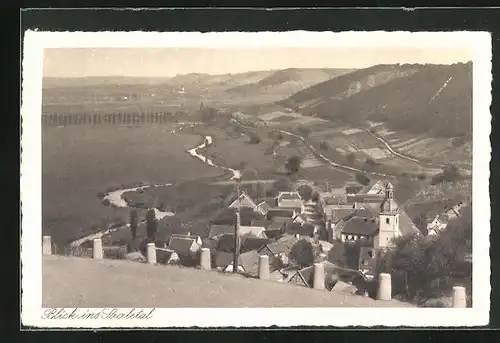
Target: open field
135,285
80,162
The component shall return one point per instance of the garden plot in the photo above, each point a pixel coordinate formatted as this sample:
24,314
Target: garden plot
374,124
363,140
308,120
342,151
348,132
410,141
376,153
327,133
277,114
417,145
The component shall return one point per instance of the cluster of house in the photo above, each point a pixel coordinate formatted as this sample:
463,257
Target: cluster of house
366,215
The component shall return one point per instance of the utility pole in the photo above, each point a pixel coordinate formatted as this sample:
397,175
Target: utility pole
237,230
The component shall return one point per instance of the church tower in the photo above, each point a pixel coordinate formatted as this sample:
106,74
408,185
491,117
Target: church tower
388,220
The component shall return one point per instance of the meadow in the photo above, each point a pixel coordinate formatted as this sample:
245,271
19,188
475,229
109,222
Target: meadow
79,162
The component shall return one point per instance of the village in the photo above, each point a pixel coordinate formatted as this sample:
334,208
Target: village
342,229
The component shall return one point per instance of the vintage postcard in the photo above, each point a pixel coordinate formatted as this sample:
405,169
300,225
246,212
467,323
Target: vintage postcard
287,178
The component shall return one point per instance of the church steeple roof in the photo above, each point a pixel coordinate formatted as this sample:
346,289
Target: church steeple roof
389,204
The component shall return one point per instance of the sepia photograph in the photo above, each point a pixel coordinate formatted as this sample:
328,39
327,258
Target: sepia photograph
205,177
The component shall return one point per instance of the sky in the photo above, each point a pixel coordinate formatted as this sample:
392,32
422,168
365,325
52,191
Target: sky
168,62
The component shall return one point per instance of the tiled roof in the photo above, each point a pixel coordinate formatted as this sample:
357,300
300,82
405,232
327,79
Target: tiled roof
289,196
361,226
163,255
253,243
283,245
261,222
247,243
182,246
217,230
331,274
368,198
250,262
406,226
279,212
224,259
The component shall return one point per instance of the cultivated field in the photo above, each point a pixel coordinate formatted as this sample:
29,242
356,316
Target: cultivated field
80,162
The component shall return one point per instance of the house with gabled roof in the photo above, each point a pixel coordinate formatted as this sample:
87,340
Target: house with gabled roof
248,263
244,200
166,256
219,230
333,273
184,247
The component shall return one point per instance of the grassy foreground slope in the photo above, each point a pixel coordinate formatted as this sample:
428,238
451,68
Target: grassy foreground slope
419,98
114,283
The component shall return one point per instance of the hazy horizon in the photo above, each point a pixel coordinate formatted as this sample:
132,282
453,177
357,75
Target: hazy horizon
169,62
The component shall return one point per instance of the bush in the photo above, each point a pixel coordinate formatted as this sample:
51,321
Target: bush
106,202
421,268
362,178
293,164
302,253
305,192
315,197
422,177
324,145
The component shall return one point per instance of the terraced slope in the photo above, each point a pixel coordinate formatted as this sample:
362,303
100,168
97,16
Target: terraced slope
434,99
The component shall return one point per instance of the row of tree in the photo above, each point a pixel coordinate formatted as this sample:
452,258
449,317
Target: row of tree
56,119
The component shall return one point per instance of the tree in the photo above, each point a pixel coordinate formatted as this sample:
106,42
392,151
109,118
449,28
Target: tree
451,173
323,145
370,163
315,196
421,267
305,192
134,221
421,223
151,225
362,178
293,164
302,253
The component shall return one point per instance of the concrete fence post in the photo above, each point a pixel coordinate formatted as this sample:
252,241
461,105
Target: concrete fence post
151,253
264,267
459,299
319,276
97,251
47,245
384,287
205,259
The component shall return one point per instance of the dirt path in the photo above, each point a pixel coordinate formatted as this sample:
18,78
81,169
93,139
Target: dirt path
409,158
132,284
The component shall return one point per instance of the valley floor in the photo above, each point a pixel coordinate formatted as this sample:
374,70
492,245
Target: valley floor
113,283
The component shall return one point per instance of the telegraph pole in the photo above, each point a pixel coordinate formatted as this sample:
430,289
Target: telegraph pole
237,231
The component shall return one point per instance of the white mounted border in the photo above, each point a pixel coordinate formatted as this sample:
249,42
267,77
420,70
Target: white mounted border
31,252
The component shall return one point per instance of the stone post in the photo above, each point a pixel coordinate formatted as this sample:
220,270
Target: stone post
384,287
319,276
151,253
97,251
46,245
205,260
264,267
459,299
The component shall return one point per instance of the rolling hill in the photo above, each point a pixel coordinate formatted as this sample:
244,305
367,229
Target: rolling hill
417,98
289,81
